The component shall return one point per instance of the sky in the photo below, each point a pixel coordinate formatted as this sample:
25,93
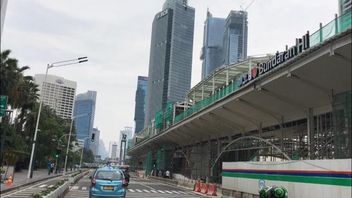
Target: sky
116,34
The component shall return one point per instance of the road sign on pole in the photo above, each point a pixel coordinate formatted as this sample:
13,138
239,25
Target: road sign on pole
261,184
3,105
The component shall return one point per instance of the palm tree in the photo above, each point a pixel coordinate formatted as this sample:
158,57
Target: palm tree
11,78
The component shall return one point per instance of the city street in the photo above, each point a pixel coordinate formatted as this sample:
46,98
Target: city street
138,187
176,99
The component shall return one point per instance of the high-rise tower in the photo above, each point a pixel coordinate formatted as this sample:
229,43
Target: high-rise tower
140,107
58,93
235,37
84,113
212,50
170,63
224,41
345,6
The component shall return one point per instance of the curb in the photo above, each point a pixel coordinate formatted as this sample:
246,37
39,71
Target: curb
62,190
59,191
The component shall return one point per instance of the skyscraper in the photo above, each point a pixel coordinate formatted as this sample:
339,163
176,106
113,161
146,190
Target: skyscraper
84,113
113,150
212,50
140,107
235,37
58,93
345,6
170,63
224,41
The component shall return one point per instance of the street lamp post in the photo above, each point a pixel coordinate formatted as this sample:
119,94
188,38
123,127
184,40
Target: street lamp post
56,64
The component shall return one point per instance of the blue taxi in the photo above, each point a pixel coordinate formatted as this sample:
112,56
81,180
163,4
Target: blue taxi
107,182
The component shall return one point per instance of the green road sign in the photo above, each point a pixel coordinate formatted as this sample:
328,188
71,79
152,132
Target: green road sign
3,105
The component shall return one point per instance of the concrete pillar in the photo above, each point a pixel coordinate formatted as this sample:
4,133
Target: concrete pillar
202,91
310,132
260,129
213,85
194,97
227,77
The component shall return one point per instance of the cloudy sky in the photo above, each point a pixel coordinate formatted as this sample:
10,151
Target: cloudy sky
115,35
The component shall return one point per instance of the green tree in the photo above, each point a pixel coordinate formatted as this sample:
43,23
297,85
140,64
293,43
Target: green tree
88,156
22,95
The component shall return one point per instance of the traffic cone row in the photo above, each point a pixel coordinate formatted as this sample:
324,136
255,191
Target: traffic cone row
204,188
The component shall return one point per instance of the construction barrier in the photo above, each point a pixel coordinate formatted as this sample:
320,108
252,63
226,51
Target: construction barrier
204,188
197,187
211,190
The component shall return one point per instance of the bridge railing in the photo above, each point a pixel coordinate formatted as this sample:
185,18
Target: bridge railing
336,26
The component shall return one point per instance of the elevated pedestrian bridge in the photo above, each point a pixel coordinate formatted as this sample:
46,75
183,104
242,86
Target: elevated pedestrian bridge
244,100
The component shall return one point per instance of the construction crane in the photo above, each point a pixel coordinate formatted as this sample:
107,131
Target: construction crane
241,6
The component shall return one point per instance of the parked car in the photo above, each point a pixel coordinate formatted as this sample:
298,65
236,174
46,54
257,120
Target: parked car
108,182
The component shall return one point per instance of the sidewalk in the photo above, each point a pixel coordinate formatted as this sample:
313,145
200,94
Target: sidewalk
20,179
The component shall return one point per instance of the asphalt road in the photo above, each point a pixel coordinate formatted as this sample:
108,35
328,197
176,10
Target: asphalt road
137,188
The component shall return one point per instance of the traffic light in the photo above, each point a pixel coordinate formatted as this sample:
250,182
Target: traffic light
58,153
93,136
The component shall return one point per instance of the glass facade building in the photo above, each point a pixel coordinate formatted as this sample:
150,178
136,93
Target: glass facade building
212,51
140,107
84,112
170,63
345,6
224,41
235,37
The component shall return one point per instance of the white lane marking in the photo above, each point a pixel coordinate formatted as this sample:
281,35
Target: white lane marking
151,188
30,187
84,188
174,191
138,190
168,191
75,187
182,192
145,190
131,190
161,191
153,191
51,186
42,186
